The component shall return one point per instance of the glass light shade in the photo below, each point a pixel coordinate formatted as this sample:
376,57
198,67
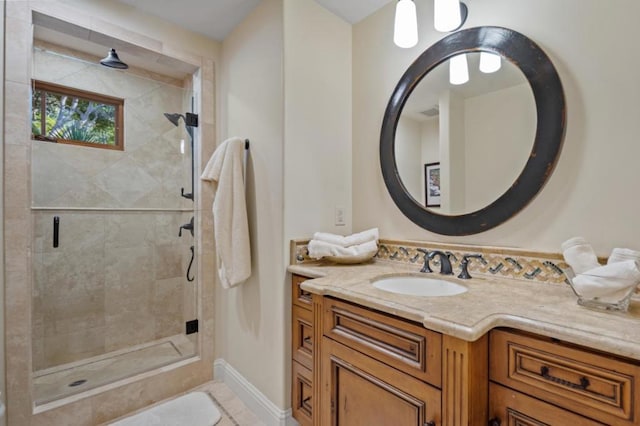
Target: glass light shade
405,30
458,70
489,62
446,15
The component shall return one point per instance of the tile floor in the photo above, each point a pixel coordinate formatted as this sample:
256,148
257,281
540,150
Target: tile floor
234,412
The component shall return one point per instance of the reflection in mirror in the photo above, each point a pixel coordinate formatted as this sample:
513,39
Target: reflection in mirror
481,132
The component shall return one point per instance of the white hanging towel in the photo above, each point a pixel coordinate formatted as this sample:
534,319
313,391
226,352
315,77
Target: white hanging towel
231,228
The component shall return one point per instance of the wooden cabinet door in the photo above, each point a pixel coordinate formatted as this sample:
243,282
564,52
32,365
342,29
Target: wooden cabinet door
511,408
360,391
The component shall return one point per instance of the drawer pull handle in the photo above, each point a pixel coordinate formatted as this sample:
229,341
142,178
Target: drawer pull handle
495,422
431,423
305,294
307,340
584,382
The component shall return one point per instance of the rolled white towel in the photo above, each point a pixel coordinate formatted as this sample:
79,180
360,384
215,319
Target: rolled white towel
609,282
349,240
319,249
620,254
579,255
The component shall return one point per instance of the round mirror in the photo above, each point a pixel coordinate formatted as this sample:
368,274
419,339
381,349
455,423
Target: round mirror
472,131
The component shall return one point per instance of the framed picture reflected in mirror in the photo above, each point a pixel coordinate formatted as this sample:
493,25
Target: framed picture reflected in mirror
432,184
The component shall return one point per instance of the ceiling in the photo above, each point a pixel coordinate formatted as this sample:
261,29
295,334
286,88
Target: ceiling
217,18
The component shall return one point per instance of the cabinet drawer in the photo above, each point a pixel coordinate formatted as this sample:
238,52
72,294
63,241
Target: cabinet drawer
302,336
600,387
399,343
509,407
300,297
301,393
358,390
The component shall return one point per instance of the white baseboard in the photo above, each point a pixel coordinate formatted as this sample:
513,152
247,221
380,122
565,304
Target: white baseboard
268,412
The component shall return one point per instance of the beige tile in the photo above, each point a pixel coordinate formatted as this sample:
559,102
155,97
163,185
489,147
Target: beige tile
17,9
17,113
16,185
17,50
168,260
76,415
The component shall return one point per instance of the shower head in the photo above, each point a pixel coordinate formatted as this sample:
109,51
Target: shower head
112,61
190,119
173,118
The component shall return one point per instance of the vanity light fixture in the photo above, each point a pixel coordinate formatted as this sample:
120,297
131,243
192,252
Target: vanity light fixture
405,30
489,62
458,70
449,15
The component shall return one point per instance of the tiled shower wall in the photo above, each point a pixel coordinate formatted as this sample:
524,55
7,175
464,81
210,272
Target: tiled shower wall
117,278
147,174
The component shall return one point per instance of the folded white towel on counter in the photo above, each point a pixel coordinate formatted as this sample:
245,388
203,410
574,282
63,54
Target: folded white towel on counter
349,240
620,254
610,282
579,255
319,249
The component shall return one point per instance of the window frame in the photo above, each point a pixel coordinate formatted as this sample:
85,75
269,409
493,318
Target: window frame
57,89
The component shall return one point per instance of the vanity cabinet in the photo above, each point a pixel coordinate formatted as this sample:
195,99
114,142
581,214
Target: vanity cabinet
302,338
359,366
578,386
377,369
359,390
354,365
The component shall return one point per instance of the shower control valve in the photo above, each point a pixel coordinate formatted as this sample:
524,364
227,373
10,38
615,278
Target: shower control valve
187,226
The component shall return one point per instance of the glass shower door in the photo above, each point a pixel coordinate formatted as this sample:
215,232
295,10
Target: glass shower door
111,296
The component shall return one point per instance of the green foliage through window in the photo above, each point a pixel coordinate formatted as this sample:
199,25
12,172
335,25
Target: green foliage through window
66,115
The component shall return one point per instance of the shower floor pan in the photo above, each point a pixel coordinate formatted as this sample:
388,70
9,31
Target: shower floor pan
70,379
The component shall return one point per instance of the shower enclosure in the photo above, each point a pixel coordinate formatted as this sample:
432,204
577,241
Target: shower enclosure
110,297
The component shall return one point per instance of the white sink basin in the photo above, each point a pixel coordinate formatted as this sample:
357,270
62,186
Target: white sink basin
419,286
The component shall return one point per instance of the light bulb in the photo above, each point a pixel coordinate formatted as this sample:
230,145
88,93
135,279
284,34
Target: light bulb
489,62
181,146
446,15
405,30
458,70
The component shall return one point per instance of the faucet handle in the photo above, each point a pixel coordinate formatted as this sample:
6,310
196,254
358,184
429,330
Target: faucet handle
464,265
425,266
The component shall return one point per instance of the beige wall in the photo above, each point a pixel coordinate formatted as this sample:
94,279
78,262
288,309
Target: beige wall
590,192
299,122
317,75
250,318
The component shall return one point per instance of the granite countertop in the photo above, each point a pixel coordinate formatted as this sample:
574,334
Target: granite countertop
546,309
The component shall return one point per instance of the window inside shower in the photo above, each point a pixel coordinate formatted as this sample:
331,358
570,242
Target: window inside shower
111,297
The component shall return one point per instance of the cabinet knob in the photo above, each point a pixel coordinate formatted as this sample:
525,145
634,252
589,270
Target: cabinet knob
495,422
431,423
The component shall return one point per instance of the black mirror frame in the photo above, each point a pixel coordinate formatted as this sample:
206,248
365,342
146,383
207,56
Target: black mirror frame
551,114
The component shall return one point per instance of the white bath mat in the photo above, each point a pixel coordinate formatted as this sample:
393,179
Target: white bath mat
193,409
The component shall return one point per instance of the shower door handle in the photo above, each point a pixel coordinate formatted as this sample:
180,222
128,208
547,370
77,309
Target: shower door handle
56,231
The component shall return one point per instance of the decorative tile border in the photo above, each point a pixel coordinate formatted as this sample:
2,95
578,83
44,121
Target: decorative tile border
496,261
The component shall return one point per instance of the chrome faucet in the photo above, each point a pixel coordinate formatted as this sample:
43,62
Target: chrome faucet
445,263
